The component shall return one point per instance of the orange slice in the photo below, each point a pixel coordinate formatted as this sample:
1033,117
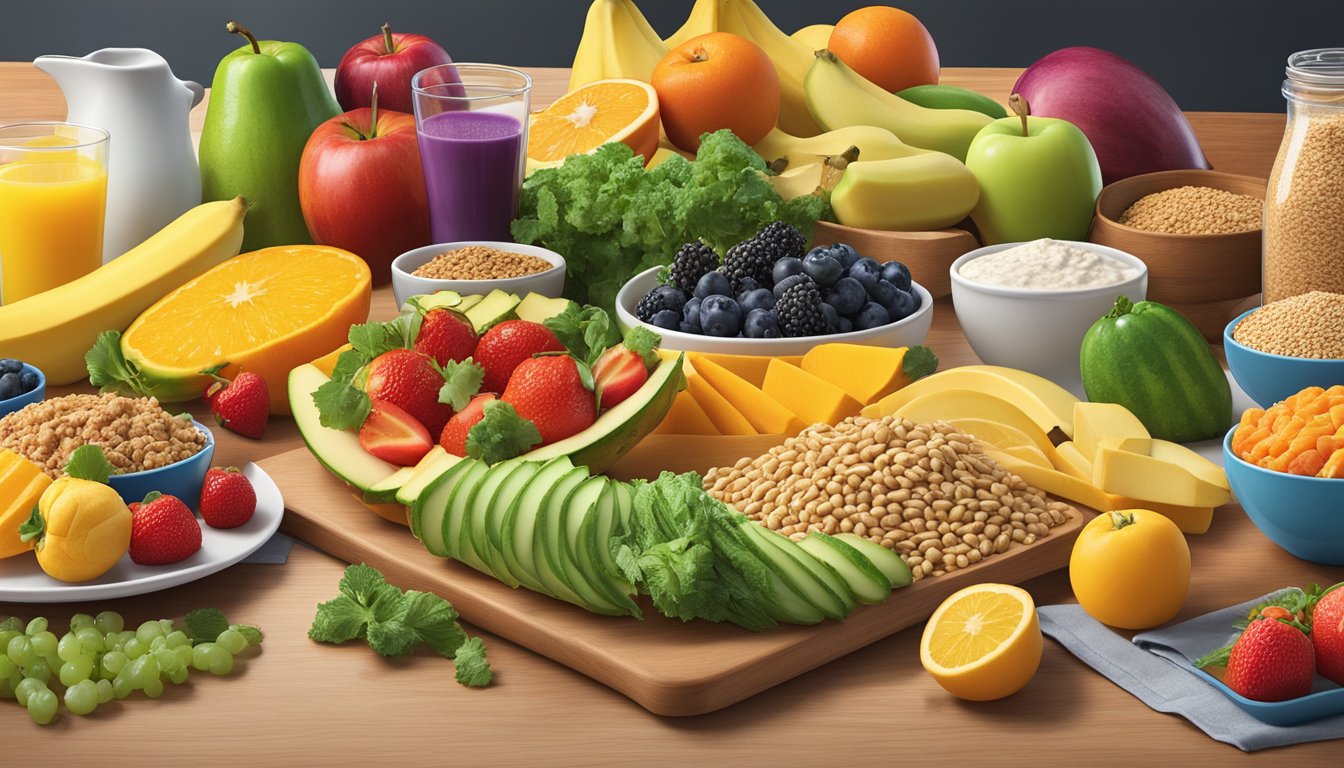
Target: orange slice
585,119
266,311
983,642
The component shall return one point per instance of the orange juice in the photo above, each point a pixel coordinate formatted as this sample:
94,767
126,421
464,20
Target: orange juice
51,220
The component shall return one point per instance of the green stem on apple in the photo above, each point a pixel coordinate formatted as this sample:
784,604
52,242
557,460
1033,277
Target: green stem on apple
373,112
387,38
1021,108
238,29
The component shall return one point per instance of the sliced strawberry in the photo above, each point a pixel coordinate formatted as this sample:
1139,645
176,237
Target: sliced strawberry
454,436
618,374
393,435
409,380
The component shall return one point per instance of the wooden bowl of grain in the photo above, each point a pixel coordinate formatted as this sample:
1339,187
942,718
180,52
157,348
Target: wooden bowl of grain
1211,264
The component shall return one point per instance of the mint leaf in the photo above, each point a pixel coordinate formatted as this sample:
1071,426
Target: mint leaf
87,462
365,598
340,619
919,361
472,669
644,343
461,382
501,434
392,638
341,405
434,620
205,624
11,624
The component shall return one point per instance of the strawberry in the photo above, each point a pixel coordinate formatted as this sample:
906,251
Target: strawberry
454,436
163,530
1327,634
618,373
227,498
1272,660
555,393
393,435
445,335
504,346
242,405
407,379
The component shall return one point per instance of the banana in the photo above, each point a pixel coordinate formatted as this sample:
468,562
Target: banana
838,97
814,37
873,144
932,190
813,178
791,60
703,19
617,43
54,329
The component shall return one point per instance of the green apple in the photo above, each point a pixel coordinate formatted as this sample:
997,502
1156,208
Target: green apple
1038,178
266,100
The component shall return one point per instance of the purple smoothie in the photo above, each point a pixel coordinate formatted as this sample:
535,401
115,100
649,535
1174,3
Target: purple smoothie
473,167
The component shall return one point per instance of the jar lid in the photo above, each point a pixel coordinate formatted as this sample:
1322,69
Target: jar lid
1318,66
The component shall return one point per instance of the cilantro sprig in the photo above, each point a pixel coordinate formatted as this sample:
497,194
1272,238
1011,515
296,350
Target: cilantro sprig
340,403
501,434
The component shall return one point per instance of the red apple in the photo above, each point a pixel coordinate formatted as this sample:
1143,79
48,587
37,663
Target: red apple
390,59
361,187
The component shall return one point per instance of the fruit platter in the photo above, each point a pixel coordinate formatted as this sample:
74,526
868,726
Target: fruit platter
726,365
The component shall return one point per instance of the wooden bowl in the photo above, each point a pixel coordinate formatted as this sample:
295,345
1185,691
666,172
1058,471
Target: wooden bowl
1211,317
1184,269
929,255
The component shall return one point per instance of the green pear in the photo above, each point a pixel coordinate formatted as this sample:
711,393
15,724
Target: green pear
266,100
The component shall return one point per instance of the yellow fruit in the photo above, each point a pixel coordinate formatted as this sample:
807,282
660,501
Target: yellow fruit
81,529
1130,569
795,151
585,119
908,194
266,311
617,43
54,329
983,642
21,485
814,37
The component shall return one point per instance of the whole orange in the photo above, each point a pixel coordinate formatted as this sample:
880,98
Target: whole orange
718,80
888,46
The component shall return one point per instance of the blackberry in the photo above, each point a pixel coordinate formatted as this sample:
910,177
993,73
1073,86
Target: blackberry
660,298
748,260
784,238
692,261
789,282
799,310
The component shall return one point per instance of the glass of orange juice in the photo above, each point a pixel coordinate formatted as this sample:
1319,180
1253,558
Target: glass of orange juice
53,196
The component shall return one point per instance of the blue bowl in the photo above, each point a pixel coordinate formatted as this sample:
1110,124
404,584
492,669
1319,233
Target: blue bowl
1300,514
183,479
27,398
1325,700
1270,378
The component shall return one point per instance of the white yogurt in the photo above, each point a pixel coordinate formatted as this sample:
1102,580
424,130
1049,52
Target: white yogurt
1048,265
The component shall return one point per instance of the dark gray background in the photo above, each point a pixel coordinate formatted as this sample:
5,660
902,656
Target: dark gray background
1210,54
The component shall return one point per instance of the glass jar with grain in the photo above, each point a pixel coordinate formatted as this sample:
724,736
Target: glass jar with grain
1304,202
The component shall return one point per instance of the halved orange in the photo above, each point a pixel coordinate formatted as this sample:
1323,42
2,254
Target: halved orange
266,311
585,119
983,642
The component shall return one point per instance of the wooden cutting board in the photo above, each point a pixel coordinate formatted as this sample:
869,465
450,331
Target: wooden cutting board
665,666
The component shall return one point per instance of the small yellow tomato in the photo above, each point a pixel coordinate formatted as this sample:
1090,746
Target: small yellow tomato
1130,569
81,528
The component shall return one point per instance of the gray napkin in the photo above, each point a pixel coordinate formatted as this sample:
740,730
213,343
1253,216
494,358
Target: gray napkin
1145,668
274,552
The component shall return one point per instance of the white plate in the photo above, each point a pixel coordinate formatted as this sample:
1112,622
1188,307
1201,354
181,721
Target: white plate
22,581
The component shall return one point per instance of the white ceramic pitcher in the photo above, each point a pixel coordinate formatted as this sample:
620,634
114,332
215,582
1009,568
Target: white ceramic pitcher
152,176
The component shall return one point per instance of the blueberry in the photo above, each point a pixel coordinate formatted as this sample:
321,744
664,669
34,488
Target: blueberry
902,305
847,295
832,317
10,365
690,316
788,283
845,254
713,284
866,271
746,285
761,298
822,268
761,324
720,316
28,380
10,386
897,274
882,292
846,325
871,316
786,267
667,319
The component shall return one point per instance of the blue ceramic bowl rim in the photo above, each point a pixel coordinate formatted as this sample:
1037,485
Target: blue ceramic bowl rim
41,384
1228,453
1252,704
209,443
1229,341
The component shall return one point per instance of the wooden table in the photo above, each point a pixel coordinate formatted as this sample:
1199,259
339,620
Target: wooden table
299,703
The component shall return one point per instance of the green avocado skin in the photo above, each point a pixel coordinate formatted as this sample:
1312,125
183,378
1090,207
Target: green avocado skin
263,107
952,97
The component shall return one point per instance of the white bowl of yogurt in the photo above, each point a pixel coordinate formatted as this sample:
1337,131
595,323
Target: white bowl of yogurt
1028,305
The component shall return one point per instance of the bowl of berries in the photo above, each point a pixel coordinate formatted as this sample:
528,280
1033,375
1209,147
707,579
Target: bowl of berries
20,385
770,295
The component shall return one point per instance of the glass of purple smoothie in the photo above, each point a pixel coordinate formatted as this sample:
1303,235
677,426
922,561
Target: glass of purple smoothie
471,120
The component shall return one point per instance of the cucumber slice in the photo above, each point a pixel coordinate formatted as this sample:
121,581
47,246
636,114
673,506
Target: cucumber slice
435,463
868,584
827,591
431,505
548,571
887,561
604,529
520,522
491,514
581,527
479,499
787,603
457,507
558,516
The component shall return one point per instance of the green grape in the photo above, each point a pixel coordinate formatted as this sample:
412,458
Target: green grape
39,669
109,622
90,639
44,645
6,635
12,624
184,655
213,658
20,651
9,682
7,667
155,689
148,631
232,641
77,670
134,649
166,659
79,621
69,648
105,691
26,688
121,687
82,697
167,626
178,675
158,644
144,671
42,706
176,639
35,626
112,663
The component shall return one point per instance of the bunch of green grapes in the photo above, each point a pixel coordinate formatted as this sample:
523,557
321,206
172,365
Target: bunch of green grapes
99,660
